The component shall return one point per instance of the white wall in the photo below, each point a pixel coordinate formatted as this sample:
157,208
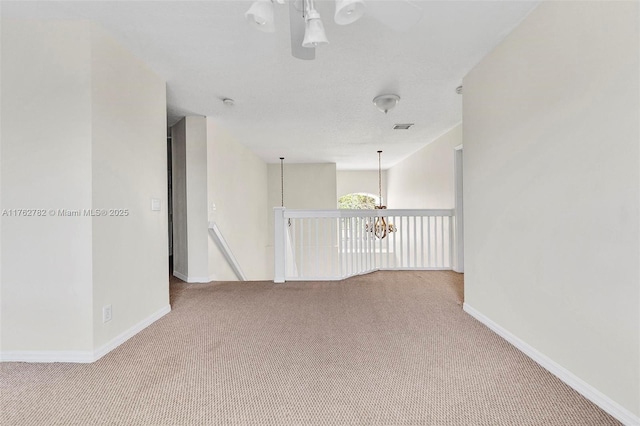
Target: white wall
189,190
366,181
306,186
85,128
310,186
426,178
196,158
551,191
237,181
129,168
46,164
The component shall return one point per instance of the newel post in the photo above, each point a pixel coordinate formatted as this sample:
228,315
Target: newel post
278,245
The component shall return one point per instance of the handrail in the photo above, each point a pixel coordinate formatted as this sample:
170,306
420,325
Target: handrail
226,251
365,213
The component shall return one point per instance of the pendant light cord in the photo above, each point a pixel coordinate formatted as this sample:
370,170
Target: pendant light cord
281,181
379,179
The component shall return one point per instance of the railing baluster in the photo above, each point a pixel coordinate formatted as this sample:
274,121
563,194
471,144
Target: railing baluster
372,249
429,241
311,247
352,239
324,267
365,244
340,243
442,239
365,251
415,240
402,229
302,268
356,260
422,241
437,246
332,247
395,250
450,221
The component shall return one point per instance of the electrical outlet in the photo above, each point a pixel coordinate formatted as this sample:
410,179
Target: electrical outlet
106,313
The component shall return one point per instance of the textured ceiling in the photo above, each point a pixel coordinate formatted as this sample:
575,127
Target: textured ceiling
306,111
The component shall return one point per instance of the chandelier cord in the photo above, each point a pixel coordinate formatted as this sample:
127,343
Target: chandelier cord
379,179
281,181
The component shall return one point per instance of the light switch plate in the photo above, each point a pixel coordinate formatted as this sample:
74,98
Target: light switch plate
155,204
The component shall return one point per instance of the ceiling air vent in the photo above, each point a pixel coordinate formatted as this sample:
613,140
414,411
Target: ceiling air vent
405,126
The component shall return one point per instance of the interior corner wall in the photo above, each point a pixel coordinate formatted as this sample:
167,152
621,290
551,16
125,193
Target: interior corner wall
129,169
357,181
198,224
238,191
190,188
552,193
425,180
46,166
84,130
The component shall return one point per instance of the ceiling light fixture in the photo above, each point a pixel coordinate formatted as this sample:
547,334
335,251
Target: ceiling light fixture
307,30
260,16
314,34
348,11
386,102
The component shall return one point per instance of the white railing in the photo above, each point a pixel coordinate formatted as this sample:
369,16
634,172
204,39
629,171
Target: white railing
226,250
337,244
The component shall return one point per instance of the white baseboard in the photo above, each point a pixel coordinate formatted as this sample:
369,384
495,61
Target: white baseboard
180,275
592,394
188,279
127,334
83,356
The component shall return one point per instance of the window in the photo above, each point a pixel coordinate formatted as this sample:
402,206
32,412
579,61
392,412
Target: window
358,201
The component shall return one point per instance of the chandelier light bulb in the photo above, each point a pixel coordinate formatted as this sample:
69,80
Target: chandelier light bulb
260,16
314,34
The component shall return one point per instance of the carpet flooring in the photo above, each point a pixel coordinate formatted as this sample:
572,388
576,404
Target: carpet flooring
389,348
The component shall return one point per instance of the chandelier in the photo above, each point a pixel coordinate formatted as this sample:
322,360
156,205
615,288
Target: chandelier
381,227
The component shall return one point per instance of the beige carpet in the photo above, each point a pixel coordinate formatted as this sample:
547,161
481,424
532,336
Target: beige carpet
390,348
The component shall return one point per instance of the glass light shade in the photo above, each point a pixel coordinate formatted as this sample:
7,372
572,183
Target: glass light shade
314,31
260,16
348,11
386,102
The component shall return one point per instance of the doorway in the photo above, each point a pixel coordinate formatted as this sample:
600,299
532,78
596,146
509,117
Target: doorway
170,202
